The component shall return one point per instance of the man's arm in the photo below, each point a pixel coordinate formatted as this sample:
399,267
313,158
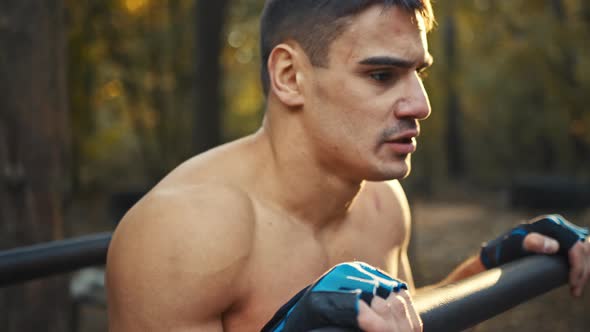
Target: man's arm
578,256
175,260
468,268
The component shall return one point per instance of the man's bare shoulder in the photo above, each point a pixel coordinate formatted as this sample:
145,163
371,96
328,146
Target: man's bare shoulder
392,200
234,164
189,211
392,194
177,251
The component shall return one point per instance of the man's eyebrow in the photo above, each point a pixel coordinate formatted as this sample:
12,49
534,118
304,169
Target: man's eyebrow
396,62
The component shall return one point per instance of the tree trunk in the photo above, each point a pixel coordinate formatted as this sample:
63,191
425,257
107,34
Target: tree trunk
33,145
454,139
210,19
580,147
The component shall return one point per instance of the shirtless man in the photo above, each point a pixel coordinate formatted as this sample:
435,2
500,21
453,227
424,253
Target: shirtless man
230,235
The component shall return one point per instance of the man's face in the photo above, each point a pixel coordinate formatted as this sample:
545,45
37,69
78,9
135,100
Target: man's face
364,106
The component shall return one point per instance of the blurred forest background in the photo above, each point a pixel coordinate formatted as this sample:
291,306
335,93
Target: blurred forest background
99,99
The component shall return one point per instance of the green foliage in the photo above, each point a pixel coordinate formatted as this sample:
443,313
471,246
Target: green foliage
522,80
522,73
131,75
241,61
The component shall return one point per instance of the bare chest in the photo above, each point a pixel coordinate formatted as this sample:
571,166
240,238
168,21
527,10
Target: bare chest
288,256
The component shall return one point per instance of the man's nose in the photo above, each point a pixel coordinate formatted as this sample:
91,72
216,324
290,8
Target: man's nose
414,102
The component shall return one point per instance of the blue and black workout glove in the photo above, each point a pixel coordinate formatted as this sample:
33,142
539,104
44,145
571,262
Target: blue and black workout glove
333,300
509,246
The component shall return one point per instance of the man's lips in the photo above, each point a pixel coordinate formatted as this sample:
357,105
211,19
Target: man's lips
404,143
413,133
402,146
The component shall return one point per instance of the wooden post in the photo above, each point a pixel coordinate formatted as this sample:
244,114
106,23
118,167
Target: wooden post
210,22
33,151
454,138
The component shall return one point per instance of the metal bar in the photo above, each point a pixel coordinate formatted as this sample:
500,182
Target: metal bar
469,302
46,259
451,308
464,304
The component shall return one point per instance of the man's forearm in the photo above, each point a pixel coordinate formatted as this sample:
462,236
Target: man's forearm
466,269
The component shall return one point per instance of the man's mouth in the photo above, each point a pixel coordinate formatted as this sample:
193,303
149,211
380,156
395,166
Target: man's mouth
407,140
402,145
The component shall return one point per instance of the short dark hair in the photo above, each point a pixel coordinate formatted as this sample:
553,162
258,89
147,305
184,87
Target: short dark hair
314,24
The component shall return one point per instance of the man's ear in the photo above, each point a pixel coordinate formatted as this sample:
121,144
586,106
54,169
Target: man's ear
285,75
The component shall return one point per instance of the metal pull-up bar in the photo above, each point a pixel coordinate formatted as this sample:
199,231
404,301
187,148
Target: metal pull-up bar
471,301
451,308
43,260
466,303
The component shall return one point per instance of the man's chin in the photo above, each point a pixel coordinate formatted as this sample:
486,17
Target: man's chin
406,174
403,175
400,171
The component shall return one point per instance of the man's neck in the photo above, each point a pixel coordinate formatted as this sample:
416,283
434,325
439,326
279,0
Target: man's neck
295,181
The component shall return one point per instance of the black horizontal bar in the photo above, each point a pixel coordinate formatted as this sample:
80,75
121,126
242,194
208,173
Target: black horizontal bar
46,259
451,308
466,303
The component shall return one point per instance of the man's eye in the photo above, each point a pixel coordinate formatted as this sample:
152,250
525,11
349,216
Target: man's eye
381,76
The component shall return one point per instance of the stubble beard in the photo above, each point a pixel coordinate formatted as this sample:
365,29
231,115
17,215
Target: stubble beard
387,170
403,125
406,160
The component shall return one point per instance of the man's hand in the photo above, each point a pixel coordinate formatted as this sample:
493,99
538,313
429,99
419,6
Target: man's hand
339,298
394,314
578,255
547,235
